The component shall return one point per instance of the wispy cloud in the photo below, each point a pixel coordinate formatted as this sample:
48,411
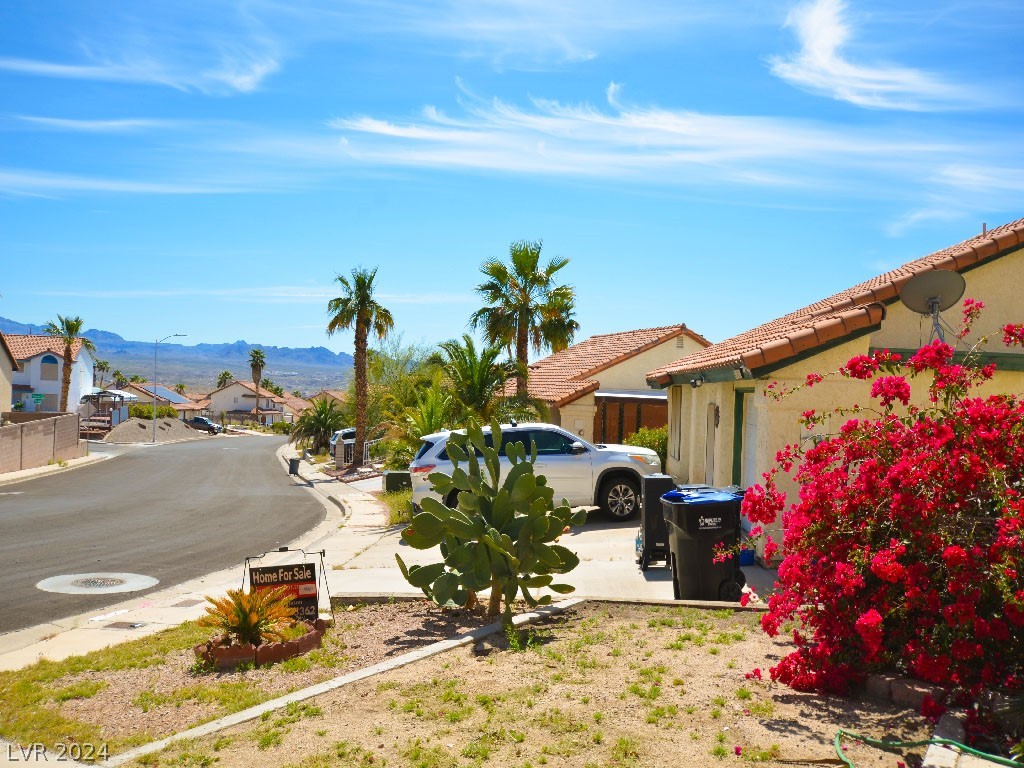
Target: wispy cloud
621,142
821,66
127,125
15,181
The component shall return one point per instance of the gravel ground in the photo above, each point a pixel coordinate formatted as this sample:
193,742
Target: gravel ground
603,684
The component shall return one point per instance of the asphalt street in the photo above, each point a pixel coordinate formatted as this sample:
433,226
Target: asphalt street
171,512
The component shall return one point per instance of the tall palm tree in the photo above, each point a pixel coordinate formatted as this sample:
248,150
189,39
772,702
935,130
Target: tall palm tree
356,308
257,360
67,329
525,306
180,388
102,367
119,379
225,378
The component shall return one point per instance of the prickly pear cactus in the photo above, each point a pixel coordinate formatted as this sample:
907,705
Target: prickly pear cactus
500,537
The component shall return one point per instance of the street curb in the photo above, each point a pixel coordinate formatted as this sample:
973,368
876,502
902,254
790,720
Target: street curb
338,682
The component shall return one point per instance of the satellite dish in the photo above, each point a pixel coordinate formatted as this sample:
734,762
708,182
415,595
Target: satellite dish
930,293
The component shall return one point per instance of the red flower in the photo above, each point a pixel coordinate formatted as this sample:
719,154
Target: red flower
860,367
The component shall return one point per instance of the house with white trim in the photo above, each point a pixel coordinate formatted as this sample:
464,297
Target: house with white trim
37,385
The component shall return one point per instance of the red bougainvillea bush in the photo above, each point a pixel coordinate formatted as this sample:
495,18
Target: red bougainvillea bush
905,549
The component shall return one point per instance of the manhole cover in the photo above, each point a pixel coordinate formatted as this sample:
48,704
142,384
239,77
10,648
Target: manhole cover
98,582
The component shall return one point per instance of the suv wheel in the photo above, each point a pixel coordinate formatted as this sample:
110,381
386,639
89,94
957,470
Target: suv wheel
620,498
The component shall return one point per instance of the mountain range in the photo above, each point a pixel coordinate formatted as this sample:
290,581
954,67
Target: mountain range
306,369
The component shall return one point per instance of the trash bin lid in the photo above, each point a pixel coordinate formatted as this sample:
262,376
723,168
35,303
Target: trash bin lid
700,496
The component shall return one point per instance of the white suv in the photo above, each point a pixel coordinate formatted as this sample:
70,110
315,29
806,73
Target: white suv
606,476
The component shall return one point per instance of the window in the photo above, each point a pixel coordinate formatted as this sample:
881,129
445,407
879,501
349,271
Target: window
48,368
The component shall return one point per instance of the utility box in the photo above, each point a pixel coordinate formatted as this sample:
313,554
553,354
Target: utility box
652,536
395,480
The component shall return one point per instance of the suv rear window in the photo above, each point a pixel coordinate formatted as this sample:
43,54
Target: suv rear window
427,445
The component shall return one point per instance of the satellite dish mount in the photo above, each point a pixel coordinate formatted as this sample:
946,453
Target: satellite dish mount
930,293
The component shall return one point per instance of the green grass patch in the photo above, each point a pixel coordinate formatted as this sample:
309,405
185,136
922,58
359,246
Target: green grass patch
398,503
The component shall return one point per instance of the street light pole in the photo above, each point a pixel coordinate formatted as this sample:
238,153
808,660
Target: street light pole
155,343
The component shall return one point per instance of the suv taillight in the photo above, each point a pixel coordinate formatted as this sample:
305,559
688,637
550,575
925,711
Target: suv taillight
422,469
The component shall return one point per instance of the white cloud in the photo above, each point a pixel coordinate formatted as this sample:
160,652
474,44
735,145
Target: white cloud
820,66
269,294
127,125
43,184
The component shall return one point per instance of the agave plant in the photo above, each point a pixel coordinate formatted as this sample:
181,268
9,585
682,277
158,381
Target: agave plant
250,618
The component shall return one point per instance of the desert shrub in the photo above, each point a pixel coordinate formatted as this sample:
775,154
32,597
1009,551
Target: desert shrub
655,438
144,411
281,428
905,549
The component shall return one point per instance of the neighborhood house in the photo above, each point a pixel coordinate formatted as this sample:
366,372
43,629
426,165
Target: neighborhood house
724,428
36,387
597,388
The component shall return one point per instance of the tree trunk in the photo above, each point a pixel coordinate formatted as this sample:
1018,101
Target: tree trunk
360,365
65,379
257,375
522,357
494,602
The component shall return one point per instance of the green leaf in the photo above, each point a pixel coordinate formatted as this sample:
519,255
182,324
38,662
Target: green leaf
562,589
445,587
523,488
401,566
460,479
417,541
476,435
456,453
568,557
423,575
463,526
579,517
481,565
429,525
535,581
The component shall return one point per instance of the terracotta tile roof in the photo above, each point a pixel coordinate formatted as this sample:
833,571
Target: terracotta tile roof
24,347
337,394
841,315
10,353
564,376
297,404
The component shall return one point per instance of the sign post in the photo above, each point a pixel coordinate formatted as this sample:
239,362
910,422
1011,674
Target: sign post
37,398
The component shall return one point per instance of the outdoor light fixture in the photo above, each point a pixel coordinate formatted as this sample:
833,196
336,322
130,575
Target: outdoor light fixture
699,381
155,343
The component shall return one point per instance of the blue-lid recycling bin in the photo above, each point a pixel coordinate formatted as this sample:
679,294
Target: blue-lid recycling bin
698,519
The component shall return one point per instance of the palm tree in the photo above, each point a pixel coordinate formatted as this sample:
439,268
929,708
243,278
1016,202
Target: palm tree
119,379
67,329
525,307
225,378
317,424
257,359
477,379
356,308
137,379
180,388
102,367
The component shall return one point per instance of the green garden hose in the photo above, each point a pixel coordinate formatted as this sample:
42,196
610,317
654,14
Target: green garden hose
891,746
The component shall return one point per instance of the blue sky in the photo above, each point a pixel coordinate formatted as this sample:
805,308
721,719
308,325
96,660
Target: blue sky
208,168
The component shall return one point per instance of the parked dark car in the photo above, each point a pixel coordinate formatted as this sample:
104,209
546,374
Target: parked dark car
204,425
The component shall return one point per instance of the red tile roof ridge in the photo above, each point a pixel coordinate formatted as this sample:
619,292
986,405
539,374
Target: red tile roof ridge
24,346
841,314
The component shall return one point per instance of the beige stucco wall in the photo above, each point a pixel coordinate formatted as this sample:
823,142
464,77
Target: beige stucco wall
578,416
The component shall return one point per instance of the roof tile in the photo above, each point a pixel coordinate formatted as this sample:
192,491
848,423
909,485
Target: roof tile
23,346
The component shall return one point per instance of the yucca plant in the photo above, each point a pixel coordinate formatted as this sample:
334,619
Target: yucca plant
253,617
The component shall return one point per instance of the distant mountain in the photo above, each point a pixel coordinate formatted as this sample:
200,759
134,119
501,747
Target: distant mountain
308,369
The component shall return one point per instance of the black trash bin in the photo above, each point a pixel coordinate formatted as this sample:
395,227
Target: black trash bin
652,537
293,466
697,519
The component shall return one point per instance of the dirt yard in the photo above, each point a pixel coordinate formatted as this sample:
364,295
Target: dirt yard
602,684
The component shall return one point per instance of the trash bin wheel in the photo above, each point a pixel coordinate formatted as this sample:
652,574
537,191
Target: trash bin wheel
645,560
730,590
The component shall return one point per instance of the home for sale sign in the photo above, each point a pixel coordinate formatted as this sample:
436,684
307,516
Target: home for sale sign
299,581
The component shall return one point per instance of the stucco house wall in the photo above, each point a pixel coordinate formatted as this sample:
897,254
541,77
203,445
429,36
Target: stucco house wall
31,376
